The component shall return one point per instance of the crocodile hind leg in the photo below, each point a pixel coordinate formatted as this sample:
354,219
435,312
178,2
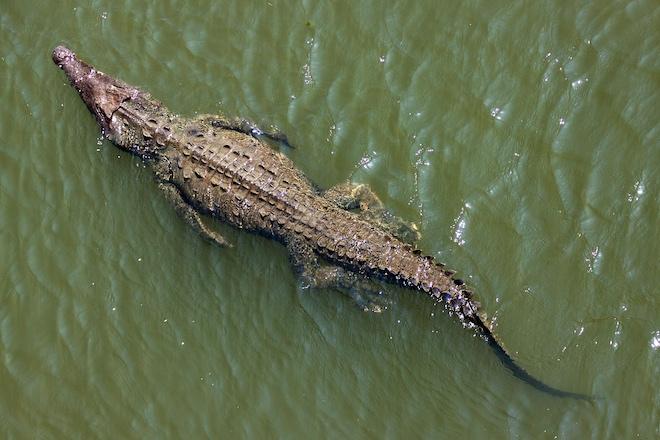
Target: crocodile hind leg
312,273
352,196
190,215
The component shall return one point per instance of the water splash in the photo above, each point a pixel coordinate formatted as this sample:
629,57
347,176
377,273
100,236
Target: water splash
638,191
655,340
579,83
458,226
614,342
498,113
307,74
594,259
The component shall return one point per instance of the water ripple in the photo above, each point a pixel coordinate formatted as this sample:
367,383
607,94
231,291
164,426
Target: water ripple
524,148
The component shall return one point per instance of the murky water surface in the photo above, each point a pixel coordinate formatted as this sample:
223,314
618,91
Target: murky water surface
524,139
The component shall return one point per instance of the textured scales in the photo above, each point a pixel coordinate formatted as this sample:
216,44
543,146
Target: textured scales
233,176
219,167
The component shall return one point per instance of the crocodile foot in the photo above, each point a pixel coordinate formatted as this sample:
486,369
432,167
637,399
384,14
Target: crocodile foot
406,231
361,198
246,126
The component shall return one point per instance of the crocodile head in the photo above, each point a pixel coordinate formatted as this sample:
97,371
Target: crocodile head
120,109
102,93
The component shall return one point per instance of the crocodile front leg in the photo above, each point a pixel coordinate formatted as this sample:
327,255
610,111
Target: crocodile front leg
352,196
190,215
250,128
363,291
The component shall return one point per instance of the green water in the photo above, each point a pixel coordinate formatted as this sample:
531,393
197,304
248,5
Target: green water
522,137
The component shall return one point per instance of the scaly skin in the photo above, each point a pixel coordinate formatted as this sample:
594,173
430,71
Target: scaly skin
215,166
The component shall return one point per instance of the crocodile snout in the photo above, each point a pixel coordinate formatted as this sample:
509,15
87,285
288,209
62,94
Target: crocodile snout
61,54
72,66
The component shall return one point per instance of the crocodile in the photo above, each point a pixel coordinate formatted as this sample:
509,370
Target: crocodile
214,166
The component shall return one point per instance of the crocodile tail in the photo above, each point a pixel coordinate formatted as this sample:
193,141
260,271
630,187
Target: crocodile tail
516,369
434,279
410,268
